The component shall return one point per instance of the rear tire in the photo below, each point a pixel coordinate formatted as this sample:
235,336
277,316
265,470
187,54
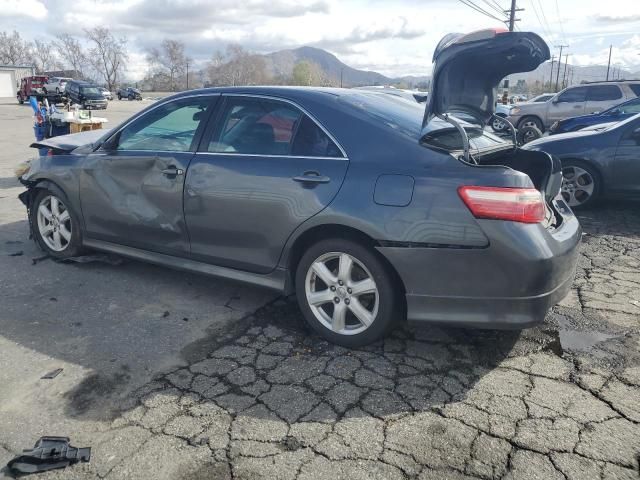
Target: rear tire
528,134
55,225
346,292
581,184
498,125
531,121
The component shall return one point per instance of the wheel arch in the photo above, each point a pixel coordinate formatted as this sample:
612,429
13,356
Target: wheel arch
335,230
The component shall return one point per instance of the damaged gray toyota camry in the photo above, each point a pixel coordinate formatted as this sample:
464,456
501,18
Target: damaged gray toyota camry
368,207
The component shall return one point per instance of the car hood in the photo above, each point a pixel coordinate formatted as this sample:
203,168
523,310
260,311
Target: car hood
68,143
468,68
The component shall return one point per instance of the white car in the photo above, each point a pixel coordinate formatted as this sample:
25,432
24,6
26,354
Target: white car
106,93
55,84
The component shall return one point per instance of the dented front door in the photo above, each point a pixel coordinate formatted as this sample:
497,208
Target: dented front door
135,199
131,189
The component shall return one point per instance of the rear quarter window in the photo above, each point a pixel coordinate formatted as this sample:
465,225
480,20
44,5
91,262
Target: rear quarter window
601,93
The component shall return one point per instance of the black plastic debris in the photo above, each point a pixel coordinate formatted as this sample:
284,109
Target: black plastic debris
52,374
49,453
16,254
39,259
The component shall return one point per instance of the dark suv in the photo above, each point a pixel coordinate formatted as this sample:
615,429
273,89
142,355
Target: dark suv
85,94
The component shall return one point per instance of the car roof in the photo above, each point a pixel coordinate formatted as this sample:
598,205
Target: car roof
284,91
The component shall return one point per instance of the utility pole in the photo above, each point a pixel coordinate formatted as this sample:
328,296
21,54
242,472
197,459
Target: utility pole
564,73
187,74
341,70
609,63
553,58
559,62
512,22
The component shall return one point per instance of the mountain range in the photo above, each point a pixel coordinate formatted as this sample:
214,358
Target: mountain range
280,65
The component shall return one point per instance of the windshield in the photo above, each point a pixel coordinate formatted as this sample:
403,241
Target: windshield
397,113
632,106
623,123
90,90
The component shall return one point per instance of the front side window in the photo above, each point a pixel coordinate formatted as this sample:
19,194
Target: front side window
171,127
573,95
635,88
630,107
601,93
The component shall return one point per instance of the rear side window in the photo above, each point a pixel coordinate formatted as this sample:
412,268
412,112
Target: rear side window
601,93
311,141
635,88
257,126
572,95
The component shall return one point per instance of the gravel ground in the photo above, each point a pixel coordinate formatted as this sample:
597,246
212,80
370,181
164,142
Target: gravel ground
241,389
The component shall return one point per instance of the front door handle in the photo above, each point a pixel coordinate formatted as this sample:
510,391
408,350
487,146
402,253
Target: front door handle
172,171
311,176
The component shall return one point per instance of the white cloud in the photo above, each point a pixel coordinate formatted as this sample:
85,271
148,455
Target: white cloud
23,8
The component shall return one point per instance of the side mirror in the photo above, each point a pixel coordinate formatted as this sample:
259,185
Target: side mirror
615,111
555,100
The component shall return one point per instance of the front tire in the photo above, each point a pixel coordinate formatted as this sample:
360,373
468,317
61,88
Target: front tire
498,125
581,184
346,292
55,226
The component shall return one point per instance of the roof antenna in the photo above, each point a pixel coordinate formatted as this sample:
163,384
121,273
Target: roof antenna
465,138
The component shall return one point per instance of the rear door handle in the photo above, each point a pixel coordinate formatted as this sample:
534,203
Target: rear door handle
311,177
171,171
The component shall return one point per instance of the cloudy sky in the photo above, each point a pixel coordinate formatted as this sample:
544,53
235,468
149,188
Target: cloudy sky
394,37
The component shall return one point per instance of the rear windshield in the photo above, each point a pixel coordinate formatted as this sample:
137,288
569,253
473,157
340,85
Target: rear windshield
402,115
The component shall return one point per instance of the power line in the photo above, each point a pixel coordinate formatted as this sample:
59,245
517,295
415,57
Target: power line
544,28
470,4
564,38
494,6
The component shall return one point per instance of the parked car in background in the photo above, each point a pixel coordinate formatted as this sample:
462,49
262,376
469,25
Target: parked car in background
339,195
503,110
85,94
597,162
129,93
30,86
573,101
613,114
106,93
55,84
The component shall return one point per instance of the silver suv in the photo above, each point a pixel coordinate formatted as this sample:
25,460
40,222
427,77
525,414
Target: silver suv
573,101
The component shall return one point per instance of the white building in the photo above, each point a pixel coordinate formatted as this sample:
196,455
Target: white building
10,76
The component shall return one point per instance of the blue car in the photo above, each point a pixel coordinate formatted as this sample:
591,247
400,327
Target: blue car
613,114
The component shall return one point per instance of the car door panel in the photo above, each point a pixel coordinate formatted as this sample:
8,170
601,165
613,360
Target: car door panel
601,97
264,172
132,189
626,165
126,198
570,103
240,210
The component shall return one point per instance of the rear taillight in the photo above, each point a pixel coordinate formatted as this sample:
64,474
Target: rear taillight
524,205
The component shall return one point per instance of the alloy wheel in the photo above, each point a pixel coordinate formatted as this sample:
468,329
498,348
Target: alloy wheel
578,185
342,293
498,124
54,223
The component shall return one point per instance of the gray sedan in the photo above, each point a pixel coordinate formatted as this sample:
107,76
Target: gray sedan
370,208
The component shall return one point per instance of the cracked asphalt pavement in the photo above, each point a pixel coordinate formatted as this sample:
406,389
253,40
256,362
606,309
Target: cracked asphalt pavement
191,378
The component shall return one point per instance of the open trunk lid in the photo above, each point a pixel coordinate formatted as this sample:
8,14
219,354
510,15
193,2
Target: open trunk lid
468,68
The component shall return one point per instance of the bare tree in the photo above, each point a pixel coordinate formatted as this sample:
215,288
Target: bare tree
43,56
108,54
169,59
14,50
72,54
237,67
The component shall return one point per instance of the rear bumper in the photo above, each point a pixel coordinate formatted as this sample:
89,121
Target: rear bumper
512,283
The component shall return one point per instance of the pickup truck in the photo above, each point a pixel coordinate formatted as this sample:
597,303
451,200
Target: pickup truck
129,93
